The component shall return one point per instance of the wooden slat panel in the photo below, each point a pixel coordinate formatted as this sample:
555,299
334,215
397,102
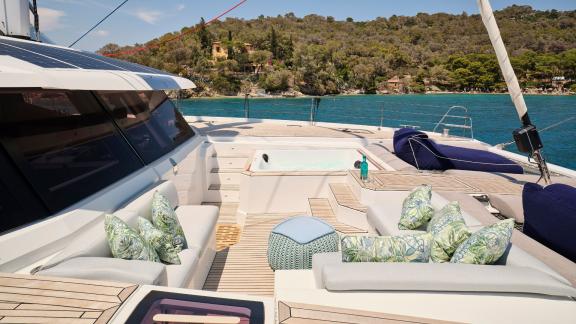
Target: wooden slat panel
345,197
126,292
32,299
106,315
4,305
243,268
492,185
36,299
395,180
34,320
226,211
59,293
320,208
39,313
67,280
91,315
50,307
64,286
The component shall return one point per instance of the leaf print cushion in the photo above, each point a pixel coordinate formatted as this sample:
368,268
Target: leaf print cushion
447,240
166,245
404,248
485,246
125,243
448,214
417,208
164,218
448,230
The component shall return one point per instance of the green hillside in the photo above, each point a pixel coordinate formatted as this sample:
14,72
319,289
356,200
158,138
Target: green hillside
319,55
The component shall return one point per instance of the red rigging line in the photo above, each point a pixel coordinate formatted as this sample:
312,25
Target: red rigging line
191,30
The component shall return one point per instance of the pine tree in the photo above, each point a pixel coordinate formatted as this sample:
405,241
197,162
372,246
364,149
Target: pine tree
230,44
273,43
289,50
204,36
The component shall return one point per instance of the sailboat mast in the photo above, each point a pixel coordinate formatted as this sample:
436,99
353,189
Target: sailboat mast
527,138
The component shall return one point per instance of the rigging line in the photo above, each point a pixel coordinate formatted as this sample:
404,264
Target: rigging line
98,23
556,124
191,30
503,145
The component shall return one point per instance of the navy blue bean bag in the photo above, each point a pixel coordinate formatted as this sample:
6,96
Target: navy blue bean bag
415,148
550,216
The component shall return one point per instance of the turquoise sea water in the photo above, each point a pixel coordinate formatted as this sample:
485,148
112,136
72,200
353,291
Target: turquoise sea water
493,116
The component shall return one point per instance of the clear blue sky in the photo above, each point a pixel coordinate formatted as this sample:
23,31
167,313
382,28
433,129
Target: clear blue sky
140,20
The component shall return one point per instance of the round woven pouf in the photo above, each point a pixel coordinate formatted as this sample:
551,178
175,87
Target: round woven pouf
293,242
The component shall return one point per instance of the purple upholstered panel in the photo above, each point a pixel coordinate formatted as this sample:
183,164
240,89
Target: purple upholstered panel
550,216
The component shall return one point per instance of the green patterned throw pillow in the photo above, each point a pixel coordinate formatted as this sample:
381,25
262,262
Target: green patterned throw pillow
448,230
451,212
404,248
164,218
166,245
125,243
485,246
417,208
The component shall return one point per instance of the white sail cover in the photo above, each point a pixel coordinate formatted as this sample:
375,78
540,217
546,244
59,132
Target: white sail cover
503,59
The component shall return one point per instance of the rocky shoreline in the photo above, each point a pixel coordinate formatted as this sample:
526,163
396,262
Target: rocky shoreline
191,94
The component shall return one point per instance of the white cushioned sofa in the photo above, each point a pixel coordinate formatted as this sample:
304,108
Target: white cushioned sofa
383,217
332,274
88,255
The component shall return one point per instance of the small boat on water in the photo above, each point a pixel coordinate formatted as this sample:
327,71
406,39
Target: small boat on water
115,208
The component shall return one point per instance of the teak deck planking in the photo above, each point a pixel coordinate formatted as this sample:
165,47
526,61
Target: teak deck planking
321,208
396,180
345,197
243,267
36,299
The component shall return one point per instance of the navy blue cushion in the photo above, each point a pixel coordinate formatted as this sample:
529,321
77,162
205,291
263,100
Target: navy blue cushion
410,143
478,160
550,216
416,148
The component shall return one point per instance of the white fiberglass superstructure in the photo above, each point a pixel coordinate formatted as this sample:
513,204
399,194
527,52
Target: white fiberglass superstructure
82,136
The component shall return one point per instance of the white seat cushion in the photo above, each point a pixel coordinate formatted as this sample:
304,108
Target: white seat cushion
142,205
179,275
508,205
110,269
441,277
198,223
91,242
515,256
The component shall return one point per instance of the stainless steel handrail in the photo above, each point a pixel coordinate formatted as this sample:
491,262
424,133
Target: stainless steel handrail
466,118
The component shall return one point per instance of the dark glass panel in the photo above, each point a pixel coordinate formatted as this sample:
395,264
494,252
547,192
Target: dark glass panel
19,205
149,119
64,144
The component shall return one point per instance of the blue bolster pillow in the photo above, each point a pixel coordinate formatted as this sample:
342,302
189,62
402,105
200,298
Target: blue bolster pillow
415,148
463,158
410,143
550,216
